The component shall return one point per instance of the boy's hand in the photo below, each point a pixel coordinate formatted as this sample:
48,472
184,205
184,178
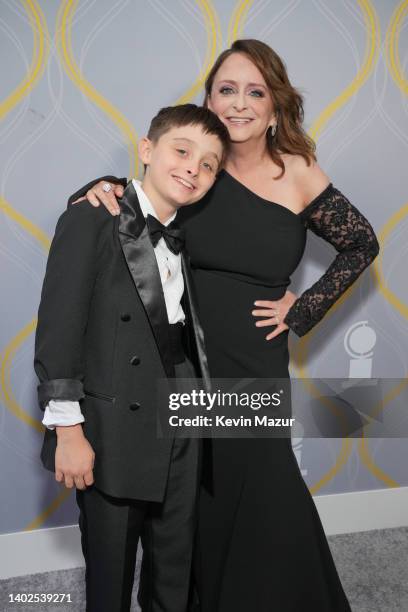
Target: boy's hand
74,458
276,312
97,194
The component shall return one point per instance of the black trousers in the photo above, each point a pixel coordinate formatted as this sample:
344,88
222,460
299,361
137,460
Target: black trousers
111,528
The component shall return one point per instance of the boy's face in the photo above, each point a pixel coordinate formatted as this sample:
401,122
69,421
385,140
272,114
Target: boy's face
182,164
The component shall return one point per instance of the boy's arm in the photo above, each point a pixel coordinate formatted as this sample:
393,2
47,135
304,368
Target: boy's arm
62,320
60,413
65,299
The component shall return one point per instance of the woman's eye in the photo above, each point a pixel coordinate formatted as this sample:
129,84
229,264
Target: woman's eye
226,90
256,93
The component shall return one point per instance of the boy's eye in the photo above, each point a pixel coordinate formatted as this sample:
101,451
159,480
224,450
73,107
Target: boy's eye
226,90
182,151
208,166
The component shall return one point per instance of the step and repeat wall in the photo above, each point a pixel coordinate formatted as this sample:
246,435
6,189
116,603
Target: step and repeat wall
80,81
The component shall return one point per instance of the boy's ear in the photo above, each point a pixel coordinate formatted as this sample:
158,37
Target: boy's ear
145,150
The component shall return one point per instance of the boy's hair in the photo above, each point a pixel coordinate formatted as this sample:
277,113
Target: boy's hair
189,114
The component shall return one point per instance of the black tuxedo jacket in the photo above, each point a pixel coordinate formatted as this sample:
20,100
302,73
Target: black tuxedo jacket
102,339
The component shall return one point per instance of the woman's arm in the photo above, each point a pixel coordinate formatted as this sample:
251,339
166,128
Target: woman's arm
332,217
96,195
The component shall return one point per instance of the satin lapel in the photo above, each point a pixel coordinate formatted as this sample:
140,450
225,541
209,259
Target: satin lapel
196,334
140,258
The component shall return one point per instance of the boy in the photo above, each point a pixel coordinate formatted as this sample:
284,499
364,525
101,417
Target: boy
110,325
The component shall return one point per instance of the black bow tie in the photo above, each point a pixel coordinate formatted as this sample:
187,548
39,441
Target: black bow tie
173,234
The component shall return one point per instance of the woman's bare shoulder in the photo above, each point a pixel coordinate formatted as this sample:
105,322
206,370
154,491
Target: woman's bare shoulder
310,179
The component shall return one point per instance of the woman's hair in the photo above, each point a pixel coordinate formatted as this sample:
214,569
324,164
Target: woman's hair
290,137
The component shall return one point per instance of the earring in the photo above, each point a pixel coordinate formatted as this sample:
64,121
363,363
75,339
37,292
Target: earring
273,129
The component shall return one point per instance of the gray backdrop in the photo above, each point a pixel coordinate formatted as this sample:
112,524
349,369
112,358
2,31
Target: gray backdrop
79,84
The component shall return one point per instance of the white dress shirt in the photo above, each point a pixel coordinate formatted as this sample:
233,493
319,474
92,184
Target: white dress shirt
63,412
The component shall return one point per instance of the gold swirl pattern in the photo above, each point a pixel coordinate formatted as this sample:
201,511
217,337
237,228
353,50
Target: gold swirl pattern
25,223
39,60
237,21
392,46
64,27
394,66
373,37
39,57
40,54
383,235
403,310
5,363
213,31
53,506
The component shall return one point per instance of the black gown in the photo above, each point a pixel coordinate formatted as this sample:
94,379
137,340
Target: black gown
261,546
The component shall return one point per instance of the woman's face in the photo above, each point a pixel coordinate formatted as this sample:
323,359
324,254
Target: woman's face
241,99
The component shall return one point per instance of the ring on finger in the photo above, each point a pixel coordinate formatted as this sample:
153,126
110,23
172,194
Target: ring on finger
106,187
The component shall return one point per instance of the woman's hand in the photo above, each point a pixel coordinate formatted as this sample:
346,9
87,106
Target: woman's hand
98,195
275,311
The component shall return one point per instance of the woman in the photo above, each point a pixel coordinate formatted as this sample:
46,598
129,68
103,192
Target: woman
261,545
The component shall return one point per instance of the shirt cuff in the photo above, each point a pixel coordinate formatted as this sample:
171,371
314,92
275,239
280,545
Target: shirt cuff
62,413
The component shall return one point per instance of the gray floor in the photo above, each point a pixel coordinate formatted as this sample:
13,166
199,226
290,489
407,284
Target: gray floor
373,567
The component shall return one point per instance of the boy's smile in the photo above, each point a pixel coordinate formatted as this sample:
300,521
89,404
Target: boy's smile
186,184
182,166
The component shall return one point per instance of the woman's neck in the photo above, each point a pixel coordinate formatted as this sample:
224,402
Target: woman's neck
246,156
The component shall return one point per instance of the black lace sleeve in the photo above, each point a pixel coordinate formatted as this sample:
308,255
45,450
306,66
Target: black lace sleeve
332,217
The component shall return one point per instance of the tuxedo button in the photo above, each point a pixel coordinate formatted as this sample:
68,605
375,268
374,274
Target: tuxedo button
125,317
134,406
135,360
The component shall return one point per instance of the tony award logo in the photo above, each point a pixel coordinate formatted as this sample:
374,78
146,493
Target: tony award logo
360,390
343,407
359,342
